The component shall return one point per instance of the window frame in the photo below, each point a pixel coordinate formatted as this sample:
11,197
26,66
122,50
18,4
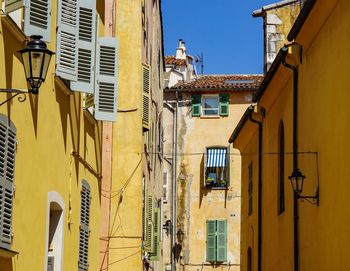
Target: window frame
226,171
203,109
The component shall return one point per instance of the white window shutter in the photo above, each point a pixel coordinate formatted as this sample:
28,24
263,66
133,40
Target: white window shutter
106,79
83,262
37,18
86,47
12,5
67,33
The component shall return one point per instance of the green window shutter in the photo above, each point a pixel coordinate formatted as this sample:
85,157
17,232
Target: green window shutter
86,47
211,241
37,18
196,105
221,240
84,233
149,224
67,36
156,235
106,79
12,5
224,104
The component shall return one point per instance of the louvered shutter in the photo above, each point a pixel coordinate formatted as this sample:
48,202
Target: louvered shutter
106,79
149,225
211,240
12,5
156,235
86,47
7,168
221,240
67,32
196,105
224,104
83,263
37,18
146,96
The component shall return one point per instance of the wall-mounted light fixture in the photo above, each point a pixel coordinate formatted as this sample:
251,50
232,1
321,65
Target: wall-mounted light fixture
36,60
297,181
180,235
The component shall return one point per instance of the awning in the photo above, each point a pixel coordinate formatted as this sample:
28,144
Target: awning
216,157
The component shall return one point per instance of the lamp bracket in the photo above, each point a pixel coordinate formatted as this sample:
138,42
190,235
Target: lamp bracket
17,92
315,199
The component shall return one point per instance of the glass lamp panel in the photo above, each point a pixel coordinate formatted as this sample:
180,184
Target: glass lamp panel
46,65
37,62
26,63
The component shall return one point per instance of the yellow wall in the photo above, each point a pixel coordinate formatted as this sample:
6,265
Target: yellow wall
126,196
50,126
197,204
323,140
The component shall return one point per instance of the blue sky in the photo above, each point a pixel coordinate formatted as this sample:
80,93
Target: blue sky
224,30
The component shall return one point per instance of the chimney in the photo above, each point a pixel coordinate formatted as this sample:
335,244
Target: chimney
181,50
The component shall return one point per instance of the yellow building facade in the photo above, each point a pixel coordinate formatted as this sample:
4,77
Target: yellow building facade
206,180
51,142
316,239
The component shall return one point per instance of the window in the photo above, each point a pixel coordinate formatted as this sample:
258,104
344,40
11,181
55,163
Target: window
216,167
7,170
250,188
210,105
83,262
280,186
216,248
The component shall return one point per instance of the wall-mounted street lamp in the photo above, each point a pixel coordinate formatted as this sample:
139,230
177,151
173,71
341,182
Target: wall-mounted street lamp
180,235
297,181
36,60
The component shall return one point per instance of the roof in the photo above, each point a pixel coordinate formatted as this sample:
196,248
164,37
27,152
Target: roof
172,60
260,12
217,82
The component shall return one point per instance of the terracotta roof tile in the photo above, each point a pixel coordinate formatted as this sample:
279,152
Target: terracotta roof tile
172,60
217,82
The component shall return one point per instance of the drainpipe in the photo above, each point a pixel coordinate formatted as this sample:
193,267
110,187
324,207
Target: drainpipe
174,109
259,123
295,149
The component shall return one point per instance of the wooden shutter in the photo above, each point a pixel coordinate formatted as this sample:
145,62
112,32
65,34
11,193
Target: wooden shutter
67,32
7,169
86,47
149,225
106,79
83,263
12,5
196,105
37,18
224,104
146,97
221,240
211,241
156,235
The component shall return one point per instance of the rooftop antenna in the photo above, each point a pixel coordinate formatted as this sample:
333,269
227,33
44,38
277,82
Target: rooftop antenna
200,59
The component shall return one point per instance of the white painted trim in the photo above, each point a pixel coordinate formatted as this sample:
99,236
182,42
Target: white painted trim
53,196
203,107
